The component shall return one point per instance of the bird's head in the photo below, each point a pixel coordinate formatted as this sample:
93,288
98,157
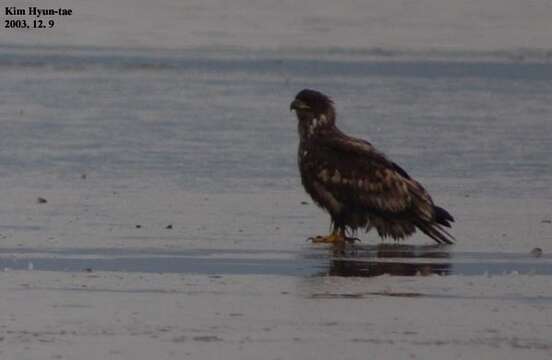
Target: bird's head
313,108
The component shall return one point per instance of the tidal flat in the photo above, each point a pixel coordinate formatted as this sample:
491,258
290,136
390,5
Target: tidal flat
151,207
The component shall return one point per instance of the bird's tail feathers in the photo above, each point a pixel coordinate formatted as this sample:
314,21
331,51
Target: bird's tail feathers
437,233
442,216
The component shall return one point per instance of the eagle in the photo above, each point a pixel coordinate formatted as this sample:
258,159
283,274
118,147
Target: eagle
358,185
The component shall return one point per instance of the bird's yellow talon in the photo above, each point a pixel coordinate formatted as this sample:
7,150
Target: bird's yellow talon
336,237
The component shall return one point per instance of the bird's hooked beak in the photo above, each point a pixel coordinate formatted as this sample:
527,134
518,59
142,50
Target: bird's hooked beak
298,105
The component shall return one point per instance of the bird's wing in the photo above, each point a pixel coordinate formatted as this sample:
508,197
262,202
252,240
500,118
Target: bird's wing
356,173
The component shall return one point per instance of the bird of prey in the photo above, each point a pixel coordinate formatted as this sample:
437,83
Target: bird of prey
356,184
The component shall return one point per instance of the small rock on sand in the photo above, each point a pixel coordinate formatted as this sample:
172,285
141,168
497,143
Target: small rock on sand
536,252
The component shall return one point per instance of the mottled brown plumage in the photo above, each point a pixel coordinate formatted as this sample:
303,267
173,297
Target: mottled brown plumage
358,186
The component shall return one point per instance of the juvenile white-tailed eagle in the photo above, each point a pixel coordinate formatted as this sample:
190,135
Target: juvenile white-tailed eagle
358,186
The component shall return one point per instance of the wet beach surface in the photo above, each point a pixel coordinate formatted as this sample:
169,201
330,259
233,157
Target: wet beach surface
353,261
173,223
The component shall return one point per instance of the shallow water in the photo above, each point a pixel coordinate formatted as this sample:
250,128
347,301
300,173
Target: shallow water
211,123
116,138
357,261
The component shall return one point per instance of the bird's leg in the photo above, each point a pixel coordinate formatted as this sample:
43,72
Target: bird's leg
337,237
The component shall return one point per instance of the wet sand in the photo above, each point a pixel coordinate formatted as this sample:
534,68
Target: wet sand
505,28
240,282
174,225
120,315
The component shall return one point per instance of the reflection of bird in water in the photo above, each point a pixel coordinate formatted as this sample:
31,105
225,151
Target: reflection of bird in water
358,185
399,260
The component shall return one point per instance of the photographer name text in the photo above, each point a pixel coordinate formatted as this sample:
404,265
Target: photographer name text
33,17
